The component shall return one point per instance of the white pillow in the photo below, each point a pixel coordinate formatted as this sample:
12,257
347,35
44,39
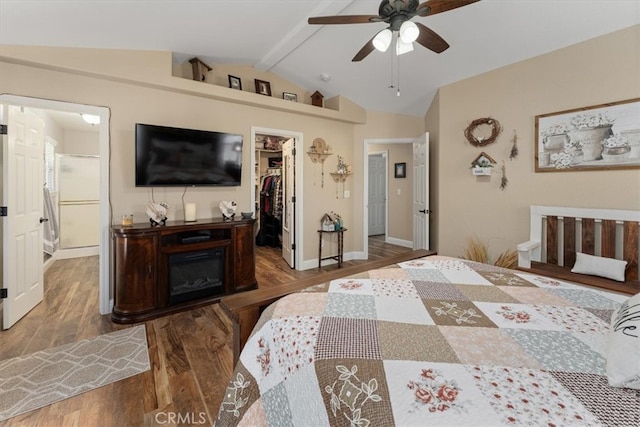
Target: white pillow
623,347
599,266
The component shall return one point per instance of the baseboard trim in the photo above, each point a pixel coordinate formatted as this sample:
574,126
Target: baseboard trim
399,242
77,252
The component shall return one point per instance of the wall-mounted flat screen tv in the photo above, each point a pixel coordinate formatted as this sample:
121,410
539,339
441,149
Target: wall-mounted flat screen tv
167,156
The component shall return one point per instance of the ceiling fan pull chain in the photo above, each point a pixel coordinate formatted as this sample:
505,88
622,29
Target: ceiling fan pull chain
398,76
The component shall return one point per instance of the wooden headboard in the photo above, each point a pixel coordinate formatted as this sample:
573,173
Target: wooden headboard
557,233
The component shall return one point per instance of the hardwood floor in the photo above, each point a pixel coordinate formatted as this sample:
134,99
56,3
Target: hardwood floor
190,352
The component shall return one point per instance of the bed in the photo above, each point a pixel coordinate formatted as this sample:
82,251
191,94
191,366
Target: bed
439,341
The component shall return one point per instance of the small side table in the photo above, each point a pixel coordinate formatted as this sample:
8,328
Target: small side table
340,246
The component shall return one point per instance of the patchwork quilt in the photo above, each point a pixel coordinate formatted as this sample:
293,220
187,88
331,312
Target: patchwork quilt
435,341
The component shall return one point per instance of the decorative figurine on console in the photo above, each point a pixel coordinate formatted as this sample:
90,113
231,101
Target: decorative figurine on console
157,213
228,209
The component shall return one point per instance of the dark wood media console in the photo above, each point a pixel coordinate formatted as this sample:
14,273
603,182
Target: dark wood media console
147,257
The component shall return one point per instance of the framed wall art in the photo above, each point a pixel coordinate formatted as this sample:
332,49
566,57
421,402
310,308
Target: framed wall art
600,137
400,170
290,96
235,82
263,88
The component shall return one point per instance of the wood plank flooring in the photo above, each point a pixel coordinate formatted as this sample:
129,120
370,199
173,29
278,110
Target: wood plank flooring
190,352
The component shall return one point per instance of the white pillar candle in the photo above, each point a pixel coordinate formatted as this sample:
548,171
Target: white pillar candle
190,212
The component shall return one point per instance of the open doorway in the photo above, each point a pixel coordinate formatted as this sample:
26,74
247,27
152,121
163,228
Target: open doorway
51,108
277,175
390,212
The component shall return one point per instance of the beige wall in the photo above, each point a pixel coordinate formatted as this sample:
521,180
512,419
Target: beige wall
119,81
398,205
601,70
81,142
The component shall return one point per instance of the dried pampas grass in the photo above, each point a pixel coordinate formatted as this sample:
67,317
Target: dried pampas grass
507,259
477,251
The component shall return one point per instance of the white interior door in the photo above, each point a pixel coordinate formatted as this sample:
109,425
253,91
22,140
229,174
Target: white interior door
377,194
288,201
23,179
421,192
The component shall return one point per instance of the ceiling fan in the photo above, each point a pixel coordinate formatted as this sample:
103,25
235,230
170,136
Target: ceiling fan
398,14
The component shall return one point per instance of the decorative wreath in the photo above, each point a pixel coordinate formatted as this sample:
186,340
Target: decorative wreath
480,141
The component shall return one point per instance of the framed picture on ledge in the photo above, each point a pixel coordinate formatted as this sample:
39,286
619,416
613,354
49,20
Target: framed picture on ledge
235,82
263,87
290,96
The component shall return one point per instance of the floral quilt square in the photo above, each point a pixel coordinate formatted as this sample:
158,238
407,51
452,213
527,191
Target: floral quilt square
355,393
500,278
444,291
426,393
529,397
301,304
402,310
518,316
457,313
394,288
486,346
559,351
351,286
548,282
574,319
353,306
347,338
414,343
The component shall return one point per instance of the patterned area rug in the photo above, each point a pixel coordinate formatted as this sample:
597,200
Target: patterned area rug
42,378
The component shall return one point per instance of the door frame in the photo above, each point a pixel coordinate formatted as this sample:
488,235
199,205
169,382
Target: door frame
298,239
365,172
105,301
385,155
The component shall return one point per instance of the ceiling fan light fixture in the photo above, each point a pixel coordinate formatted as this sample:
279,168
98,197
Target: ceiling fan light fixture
409,32
402,47
382,40
92,119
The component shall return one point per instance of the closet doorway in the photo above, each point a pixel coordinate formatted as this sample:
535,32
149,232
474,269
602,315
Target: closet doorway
276,176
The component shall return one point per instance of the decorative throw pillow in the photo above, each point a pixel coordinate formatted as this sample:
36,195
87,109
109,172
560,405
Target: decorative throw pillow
598,266
623,348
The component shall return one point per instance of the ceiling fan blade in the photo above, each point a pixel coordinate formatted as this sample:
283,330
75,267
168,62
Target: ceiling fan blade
366,50
429,39
431,7
344,19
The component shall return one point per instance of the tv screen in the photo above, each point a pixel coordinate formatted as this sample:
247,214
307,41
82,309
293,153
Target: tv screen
167,156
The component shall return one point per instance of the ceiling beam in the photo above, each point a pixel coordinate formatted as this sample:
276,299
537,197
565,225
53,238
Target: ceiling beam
299,34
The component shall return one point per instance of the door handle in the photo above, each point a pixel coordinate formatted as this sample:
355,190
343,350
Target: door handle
424,211
43,220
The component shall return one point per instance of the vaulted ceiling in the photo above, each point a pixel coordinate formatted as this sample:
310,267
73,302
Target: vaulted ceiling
274,35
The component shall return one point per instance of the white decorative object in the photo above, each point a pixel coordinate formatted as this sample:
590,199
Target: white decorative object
228,208
189,212
157,212
598,266
623,347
